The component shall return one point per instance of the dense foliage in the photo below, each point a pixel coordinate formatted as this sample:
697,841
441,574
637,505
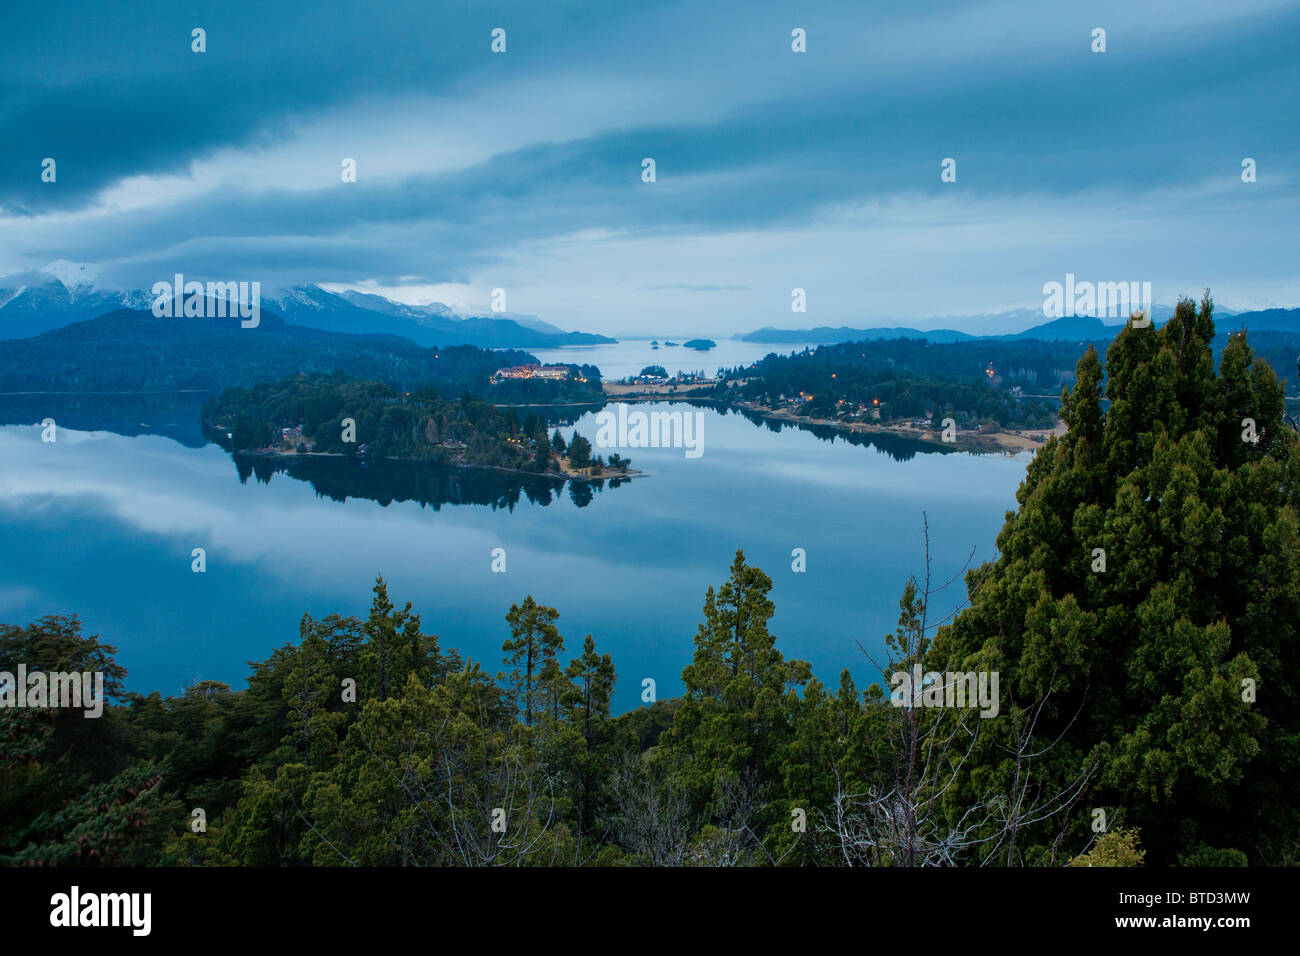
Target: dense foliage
134,351
905,379
1167,669
971,381
417,425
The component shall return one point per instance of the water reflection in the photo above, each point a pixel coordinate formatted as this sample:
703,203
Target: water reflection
104,526
897,447
384,481
173,415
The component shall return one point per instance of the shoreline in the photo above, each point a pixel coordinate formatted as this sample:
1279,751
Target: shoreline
563,475
1013,441
1008,441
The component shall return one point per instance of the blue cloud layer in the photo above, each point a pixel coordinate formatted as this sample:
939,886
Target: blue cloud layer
481,169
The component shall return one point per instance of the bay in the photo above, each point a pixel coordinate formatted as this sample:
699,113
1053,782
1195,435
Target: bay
104,524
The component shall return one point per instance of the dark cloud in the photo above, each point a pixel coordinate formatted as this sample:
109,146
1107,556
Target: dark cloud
747,137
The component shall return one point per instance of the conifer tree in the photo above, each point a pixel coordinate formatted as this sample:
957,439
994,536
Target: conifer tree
592,677
589,693
311,695
534,644
393,645
736,713
1150,583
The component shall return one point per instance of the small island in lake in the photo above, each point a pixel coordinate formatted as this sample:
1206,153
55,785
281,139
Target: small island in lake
701,345
326,415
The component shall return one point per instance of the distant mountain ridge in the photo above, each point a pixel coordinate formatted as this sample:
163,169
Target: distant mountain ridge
378,303
134,351
825,335
1070,328
62,293
435,324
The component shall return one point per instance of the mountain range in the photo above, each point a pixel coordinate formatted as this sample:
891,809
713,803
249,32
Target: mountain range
1071,328
428,325
135,351
63,292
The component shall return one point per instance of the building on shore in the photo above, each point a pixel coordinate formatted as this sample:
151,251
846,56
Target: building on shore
547,372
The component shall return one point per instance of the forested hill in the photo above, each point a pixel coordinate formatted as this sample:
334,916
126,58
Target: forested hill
911,376
1037,366
135,351
306,415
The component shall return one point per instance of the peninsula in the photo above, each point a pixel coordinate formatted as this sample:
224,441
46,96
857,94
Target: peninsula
324,415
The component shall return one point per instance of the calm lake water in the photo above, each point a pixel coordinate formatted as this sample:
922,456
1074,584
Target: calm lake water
103,525
628,357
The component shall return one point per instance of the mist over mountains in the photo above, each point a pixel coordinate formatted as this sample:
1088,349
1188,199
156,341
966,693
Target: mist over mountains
428,325
57,295
61,293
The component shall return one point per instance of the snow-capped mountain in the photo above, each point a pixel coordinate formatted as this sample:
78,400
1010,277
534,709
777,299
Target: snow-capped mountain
64,292
434,324
73,275
55,295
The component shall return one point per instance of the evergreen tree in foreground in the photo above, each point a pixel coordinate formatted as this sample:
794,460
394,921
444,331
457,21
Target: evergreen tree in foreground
734,720
1150,581
533,646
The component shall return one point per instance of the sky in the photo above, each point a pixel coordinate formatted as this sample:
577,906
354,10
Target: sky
774,169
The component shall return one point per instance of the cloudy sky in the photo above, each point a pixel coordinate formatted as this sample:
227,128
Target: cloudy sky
522,170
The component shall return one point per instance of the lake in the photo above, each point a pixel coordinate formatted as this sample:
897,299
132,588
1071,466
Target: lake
103,525
629,356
